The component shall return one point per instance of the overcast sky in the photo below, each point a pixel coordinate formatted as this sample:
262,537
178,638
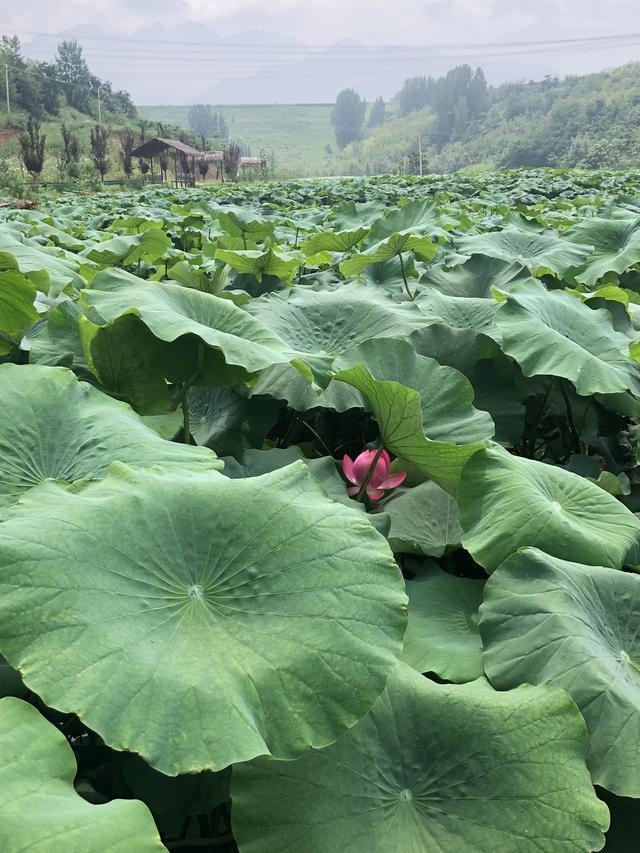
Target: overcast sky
149,46
322,21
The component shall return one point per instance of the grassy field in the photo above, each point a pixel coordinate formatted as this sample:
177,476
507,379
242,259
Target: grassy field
297,134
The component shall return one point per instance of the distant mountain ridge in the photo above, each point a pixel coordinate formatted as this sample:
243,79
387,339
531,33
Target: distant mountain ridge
190,62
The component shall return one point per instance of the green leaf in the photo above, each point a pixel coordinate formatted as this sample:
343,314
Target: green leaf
124,357
454,768
424,520
540,253
259,613
332,322
243,222
508,502
150,246
170,311
442,634
388,248
399,413
209,279
57,341
17,295
476,278
578,627
258,262
46,268
616,247
446,396
39,807
415,217
228,422
551,333
54,427
334,241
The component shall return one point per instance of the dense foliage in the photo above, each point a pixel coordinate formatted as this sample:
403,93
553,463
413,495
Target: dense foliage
588,122
40,88
318,517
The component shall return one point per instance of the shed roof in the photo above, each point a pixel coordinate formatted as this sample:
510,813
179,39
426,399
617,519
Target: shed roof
156,144
251,161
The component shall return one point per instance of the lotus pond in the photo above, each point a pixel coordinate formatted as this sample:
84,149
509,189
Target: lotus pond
319,517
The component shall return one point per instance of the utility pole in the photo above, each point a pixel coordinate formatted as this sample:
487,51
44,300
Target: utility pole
420,151
6,83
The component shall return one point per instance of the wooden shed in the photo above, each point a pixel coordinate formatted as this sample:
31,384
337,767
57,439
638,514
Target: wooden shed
184,157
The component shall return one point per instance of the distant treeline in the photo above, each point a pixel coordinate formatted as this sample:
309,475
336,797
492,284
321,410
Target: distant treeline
459,121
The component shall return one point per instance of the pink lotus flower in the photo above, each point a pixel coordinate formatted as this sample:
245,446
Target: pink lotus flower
357,471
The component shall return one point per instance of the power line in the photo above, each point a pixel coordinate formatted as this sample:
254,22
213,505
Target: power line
134,42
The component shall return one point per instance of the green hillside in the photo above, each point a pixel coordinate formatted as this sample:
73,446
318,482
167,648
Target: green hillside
296,135
588,122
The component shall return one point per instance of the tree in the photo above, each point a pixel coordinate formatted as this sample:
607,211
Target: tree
203,168
478,95
231,160
415,94
222,128
203,121
347,117
100,150
377,115
32,147
69,155
127,144
72,68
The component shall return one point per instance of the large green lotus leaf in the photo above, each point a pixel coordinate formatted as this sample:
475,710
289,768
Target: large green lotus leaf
17,313
446,396
259,263
326,323
54,427
171,311
470,315
253,463
388,248
39,807
415,217
455,347
199,620
476,278
243,222
553,333
547,620
332,322
125,357
284,382
351,214
334,241
150,246
433,767
398,411
56,341
508,502
616,247
424,520
539,253
442,634
44,267
227,421
57,236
